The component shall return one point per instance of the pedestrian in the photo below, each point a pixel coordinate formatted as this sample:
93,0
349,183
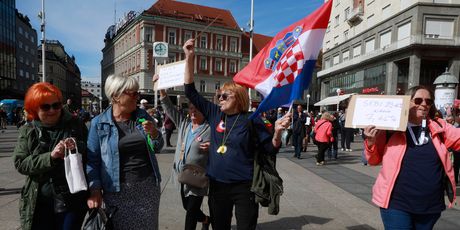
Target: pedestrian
3,119
143,104
346,134
455,154
122,167
298,130
46,201
333,149
324,137
71,108
231,153
169,129
192,148
416,167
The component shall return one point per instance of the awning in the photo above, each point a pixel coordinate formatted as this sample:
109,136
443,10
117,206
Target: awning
334,100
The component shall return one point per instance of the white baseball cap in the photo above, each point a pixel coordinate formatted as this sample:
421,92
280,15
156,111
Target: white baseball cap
143,101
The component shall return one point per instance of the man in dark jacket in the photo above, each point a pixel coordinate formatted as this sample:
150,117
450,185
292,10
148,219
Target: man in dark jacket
298,130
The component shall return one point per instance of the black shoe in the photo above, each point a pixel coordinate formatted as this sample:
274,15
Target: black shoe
205,225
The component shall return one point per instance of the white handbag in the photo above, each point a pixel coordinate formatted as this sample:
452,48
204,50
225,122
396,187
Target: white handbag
74,172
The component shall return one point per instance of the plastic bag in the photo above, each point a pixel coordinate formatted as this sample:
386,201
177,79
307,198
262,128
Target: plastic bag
98,219
74,173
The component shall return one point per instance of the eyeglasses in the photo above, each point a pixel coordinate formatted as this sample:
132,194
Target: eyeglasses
132,94
224,96
418,101
47,107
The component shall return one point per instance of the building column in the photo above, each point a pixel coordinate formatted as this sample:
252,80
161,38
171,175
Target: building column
391,82
414,70
454,66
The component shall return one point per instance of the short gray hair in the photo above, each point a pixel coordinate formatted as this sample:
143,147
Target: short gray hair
115,85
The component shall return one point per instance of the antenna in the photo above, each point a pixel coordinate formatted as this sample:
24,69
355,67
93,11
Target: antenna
115,12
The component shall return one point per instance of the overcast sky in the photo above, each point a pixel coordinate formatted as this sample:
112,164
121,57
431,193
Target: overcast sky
80,25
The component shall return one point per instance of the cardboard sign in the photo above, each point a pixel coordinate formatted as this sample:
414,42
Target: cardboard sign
171,75
384,111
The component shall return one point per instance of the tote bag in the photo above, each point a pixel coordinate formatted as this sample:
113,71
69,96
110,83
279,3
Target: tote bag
74,173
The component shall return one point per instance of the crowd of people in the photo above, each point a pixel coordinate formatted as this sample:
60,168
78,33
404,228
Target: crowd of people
120,144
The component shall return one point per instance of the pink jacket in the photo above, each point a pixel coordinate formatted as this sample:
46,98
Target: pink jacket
323,130
390,154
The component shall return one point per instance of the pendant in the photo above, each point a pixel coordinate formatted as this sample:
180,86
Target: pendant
222,149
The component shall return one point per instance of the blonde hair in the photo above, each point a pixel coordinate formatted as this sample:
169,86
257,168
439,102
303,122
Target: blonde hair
241,95
115,85
327,116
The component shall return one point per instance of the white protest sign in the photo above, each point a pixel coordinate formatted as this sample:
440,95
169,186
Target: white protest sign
384,111
171,75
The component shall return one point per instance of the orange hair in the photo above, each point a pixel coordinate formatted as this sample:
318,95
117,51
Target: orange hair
35,96
241,95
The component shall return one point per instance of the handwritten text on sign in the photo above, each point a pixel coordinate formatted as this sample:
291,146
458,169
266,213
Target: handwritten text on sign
378,111
171,75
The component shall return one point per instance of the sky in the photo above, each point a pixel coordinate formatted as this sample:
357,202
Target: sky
80,25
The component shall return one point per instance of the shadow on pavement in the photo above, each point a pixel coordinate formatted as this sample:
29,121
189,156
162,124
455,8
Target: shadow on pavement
360,227
295,223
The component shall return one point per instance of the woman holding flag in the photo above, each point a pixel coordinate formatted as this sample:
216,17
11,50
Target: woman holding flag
231,153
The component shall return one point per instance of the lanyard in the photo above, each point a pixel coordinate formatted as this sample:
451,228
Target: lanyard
423,139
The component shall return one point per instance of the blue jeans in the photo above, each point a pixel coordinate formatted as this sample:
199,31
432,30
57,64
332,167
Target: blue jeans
397,219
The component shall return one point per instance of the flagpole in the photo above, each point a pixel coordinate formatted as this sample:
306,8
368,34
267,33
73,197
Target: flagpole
251,28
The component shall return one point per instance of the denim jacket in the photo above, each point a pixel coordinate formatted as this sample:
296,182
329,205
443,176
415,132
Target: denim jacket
103,166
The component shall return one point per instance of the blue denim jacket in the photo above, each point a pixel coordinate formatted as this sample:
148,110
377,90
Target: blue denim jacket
103,167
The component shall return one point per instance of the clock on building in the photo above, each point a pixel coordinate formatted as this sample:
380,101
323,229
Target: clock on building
160,49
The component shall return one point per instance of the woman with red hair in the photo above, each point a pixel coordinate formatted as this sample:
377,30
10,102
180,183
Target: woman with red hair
46,202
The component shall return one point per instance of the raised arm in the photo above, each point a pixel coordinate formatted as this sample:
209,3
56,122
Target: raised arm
189,49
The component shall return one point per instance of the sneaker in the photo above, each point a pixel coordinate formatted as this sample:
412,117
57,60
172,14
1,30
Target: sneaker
349,150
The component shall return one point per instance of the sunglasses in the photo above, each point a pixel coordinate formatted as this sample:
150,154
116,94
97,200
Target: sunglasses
132,94
224,96
47,107
419,101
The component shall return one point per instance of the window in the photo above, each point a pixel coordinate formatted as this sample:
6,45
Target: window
346,13
27,75
21,59
202,86
370,20
336,21
336,40
385,39
442,1
203,63
370,45
405,3
219,42
386,11
27,48
20,45
204,40
32,64
345,35
217,86
404,31
336,59
345,55
233,45
357,51
21,73
27,61
439,28
187,35
327,45
218,65
232,66
171,58
148,34
20,30
172,36
328,63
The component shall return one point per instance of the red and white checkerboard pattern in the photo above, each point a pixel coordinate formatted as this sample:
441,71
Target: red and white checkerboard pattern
290,65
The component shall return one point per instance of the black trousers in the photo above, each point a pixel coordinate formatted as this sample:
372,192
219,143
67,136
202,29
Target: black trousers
322,148
456,165
297,142
168,136
222,198
192,204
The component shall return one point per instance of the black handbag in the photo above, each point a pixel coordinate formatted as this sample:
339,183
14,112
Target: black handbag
193,175
98,219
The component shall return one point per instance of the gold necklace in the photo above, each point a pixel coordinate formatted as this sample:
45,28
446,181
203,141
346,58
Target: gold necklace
222,148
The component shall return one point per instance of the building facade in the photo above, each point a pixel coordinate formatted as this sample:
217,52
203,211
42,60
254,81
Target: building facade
26,54
61,70
219,54
386,47
7,48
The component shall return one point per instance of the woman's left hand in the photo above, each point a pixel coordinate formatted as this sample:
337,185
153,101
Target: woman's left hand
283,123
204,147
149,127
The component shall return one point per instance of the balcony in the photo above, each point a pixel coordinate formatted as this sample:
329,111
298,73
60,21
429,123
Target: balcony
356,16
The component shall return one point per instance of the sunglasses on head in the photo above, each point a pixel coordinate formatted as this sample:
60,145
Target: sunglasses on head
224,96
132,94
419,101
47,107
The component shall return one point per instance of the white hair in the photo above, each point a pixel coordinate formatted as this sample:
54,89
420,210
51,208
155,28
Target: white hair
115,85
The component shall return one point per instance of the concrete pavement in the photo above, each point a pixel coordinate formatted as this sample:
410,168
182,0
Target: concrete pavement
334,196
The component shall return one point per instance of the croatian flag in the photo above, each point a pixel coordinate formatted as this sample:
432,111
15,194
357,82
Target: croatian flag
282,70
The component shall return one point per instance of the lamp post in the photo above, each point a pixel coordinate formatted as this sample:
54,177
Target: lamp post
338,102
41,15
445,91
251,28
308,103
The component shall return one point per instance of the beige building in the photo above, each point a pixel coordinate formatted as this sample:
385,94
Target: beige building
386,47
219,54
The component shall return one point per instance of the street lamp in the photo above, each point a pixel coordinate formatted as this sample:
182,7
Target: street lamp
338,102
445,91
308,103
